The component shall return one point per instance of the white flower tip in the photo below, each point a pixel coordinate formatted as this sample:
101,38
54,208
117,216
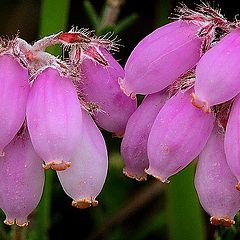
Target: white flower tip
57,165
19,222
122,86
138,177
150,172
84,203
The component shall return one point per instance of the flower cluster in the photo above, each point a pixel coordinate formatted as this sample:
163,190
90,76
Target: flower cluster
189,72
49,108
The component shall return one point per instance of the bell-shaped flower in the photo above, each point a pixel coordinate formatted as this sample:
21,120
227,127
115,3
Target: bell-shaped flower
218,72
215,183
54,118
21,180
100,89
231,142
134,142
84,180
162,57
178,135
14,90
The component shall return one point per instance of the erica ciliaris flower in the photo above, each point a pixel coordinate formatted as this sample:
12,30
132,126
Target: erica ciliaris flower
47,119
198,69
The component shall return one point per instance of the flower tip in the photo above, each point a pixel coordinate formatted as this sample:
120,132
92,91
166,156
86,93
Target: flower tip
139,178
238,186
223,221
8,221
149,172
121,83
201,104
84,203
57,165
20,223
118,135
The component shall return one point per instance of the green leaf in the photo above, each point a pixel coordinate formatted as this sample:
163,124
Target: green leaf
126,23
91,13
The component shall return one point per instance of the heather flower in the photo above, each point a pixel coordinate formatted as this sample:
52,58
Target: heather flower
231,142
84,180
47,90
14,89
21,180
161,57
99,88
54,118
177,136
215,183
134,142
218,69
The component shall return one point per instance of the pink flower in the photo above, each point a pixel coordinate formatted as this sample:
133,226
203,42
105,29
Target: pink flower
84,180
54,118
21,180
14,89
215,183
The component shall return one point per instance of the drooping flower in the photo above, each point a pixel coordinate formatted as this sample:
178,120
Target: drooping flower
217,73
161,57
14,89
177,136
99,88
134,142
84,180
54,118
21,180
215,183
231,142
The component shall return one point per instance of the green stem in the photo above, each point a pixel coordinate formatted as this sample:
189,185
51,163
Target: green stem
54,18
17,233
185,214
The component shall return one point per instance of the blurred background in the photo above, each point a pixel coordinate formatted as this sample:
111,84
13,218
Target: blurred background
128,209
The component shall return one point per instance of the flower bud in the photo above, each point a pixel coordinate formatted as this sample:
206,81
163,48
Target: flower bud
21,180
215,183
99,87
54,118
84,180
231,142
218,73
161,57
178,135
134,142
14,89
